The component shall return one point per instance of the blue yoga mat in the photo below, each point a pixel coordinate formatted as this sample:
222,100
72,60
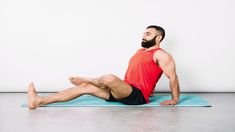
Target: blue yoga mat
88,100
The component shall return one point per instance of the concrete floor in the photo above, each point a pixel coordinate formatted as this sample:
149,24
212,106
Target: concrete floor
219,118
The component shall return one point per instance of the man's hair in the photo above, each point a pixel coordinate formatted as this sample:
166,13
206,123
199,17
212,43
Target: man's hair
159,29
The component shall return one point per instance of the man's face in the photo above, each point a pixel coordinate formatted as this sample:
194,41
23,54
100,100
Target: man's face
149,34
149,38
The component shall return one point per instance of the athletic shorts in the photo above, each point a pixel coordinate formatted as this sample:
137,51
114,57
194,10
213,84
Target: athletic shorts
135,98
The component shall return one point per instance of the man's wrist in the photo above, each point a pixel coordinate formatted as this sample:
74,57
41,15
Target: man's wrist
176,100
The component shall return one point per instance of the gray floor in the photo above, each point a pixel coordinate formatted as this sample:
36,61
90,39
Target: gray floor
219,118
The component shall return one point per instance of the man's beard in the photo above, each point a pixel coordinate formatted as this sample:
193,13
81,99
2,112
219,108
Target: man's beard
149,43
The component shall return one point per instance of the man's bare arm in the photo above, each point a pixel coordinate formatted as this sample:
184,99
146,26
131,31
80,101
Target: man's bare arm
174,85
166,62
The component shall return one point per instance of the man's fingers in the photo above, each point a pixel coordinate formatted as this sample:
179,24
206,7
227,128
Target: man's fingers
165,102
168,102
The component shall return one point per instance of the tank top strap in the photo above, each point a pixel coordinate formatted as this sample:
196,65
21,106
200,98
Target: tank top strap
153,50
157,49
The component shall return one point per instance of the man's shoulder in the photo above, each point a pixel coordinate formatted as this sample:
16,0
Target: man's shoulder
161,54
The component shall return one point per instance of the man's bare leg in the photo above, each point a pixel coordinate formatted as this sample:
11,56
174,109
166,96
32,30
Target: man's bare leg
35,101
75,80
100,87
79,80
117,87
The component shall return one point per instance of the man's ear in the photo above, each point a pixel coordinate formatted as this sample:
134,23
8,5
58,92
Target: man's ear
158,38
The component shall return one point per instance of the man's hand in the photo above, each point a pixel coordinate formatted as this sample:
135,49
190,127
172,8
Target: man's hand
169,102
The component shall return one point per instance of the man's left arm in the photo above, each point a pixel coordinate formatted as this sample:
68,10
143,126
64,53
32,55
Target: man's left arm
166,62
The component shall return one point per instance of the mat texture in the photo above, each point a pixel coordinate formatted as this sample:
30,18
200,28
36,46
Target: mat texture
88,100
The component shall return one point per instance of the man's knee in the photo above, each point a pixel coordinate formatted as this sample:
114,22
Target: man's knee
108,79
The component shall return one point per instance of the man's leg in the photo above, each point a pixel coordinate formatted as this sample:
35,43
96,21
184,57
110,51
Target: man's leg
35,101
117,87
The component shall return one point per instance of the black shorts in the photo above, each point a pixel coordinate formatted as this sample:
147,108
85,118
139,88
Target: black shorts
135,98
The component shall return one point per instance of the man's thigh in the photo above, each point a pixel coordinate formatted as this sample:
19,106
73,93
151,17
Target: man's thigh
119,88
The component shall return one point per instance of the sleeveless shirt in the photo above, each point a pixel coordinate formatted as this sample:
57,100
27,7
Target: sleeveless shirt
142,72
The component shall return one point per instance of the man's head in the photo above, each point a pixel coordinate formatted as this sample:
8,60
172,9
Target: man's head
153,35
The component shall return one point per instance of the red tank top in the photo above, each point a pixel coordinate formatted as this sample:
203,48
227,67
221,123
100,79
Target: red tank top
143,72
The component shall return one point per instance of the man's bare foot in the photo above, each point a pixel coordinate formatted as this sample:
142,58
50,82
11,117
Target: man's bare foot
33,99
78,80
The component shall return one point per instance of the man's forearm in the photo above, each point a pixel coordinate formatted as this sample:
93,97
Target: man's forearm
175,88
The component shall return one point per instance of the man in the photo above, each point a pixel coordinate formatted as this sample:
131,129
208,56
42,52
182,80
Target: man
144,70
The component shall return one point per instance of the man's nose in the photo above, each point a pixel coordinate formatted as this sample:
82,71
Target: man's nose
144,37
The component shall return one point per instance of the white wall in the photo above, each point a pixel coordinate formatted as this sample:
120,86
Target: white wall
47,41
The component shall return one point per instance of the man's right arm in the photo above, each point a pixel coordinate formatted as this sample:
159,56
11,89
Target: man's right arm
167,64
